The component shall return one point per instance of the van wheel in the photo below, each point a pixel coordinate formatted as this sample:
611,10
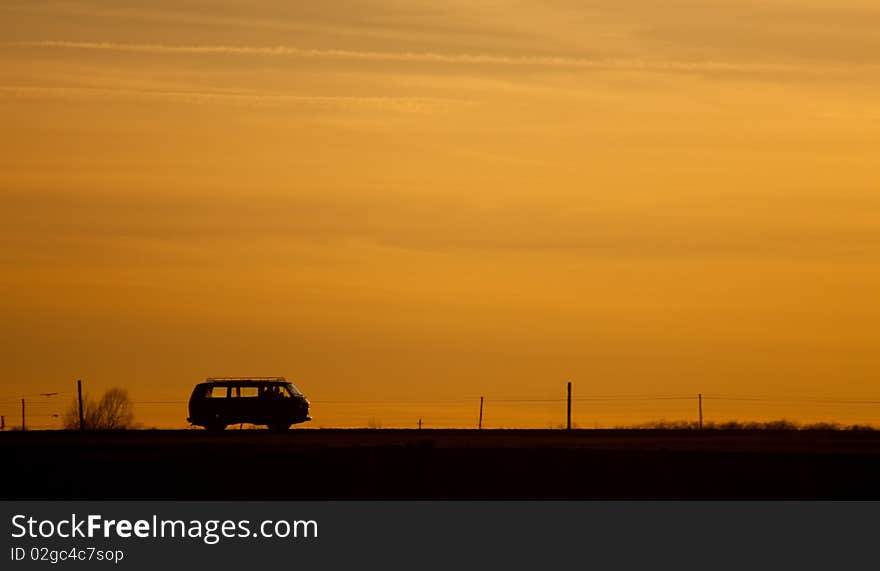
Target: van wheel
279,426
215,427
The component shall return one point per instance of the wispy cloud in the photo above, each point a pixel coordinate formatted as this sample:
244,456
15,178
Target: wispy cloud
417,57
397,104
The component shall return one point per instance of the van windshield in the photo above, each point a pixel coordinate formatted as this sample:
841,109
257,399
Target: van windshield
292,389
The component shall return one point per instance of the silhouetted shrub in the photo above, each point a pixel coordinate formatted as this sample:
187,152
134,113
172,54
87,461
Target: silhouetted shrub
781,424
113,412
822,426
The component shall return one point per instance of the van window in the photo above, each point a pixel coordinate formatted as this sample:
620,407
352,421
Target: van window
216,392
292,389
248,392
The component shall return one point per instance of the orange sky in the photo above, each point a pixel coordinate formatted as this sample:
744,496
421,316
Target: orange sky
403,206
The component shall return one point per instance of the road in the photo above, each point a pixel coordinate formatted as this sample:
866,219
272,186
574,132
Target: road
442,464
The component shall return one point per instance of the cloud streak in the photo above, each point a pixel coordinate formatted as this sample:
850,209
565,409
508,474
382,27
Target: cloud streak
417,57
397,104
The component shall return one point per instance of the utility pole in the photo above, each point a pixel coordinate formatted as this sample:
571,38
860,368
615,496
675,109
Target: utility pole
700,405
23,427
568,408
480,422
420,424
2,423
79,396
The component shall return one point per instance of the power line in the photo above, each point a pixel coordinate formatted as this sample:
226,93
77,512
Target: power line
794,400
52,395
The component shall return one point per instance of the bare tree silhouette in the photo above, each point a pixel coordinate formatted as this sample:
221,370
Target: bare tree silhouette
113,412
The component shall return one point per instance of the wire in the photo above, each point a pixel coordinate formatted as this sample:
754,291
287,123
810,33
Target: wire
793,400
53,401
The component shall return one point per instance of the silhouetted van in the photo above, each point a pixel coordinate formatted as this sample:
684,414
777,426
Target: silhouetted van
273,401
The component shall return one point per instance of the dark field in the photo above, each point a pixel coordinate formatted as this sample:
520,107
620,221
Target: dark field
442,464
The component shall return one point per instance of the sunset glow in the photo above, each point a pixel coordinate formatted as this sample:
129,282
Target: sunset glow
405,206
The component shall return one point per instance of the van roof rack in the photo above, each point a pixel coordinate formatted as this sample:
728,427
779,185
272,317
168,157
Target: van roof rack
245,379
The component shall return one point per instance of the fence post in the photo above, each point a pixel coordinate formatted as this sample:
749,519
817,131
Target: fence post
79,396
700,405
568,408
